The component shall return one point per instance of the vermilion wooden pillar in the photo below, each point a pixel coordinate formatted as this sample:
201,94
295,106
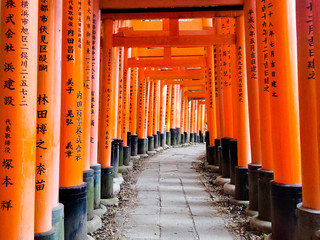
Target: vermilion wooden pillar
284,119
244,151
72,189
266,171
253,100
106,116
19,117
168,114
45,126
150,117
142,141
58,208
309,209
162,114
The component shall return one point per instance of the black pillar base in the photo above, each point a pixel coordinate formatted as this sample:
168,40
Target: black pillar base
106,182
156,142
225,165
185,137
134,145
50,235
173,136
197,137
201,136
142,145
97,185
253,186
88,178
162,140
219,153
308,223
168,138
182,138
178,136
74,200
191,137
233,162
217,144
129,142
159,139
210,155
115,157
120,141
126,155
207,138
150,143
284,200
241,183
264,178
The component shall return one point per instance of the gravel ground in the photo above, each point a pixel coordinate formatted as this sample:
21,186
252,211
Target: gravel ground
112,221
234,215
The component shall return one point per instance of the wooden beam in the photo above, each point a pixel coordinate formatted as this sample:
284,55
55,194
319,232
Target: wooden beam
187,83
181,73
173,41
159,15
191,62
143,4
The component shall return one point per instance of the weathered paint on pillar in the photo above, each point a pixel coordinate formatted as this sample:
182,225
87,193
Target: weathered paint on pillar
284,93
308,106
252,79
87,81
107,97
18,122
71,152
45,126
95,78
264,86
244,151
141,103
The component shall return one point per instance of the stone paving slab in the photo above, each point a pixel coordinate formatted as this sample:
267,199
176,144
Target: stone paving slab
172,202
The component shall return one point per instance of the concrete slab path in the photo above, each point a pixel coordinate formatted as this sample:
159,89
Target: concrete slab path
172,202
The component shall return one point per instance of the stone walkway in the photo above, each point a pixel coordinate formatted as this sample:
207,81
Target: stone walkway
172,202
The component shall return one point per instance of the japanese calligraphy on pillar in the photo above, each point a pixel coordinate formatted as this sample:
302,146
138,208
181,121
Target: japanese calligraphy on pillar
107,140
252,50
241,76
44,98
120,97
271,46
264,43
18,91
95,76
309,21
